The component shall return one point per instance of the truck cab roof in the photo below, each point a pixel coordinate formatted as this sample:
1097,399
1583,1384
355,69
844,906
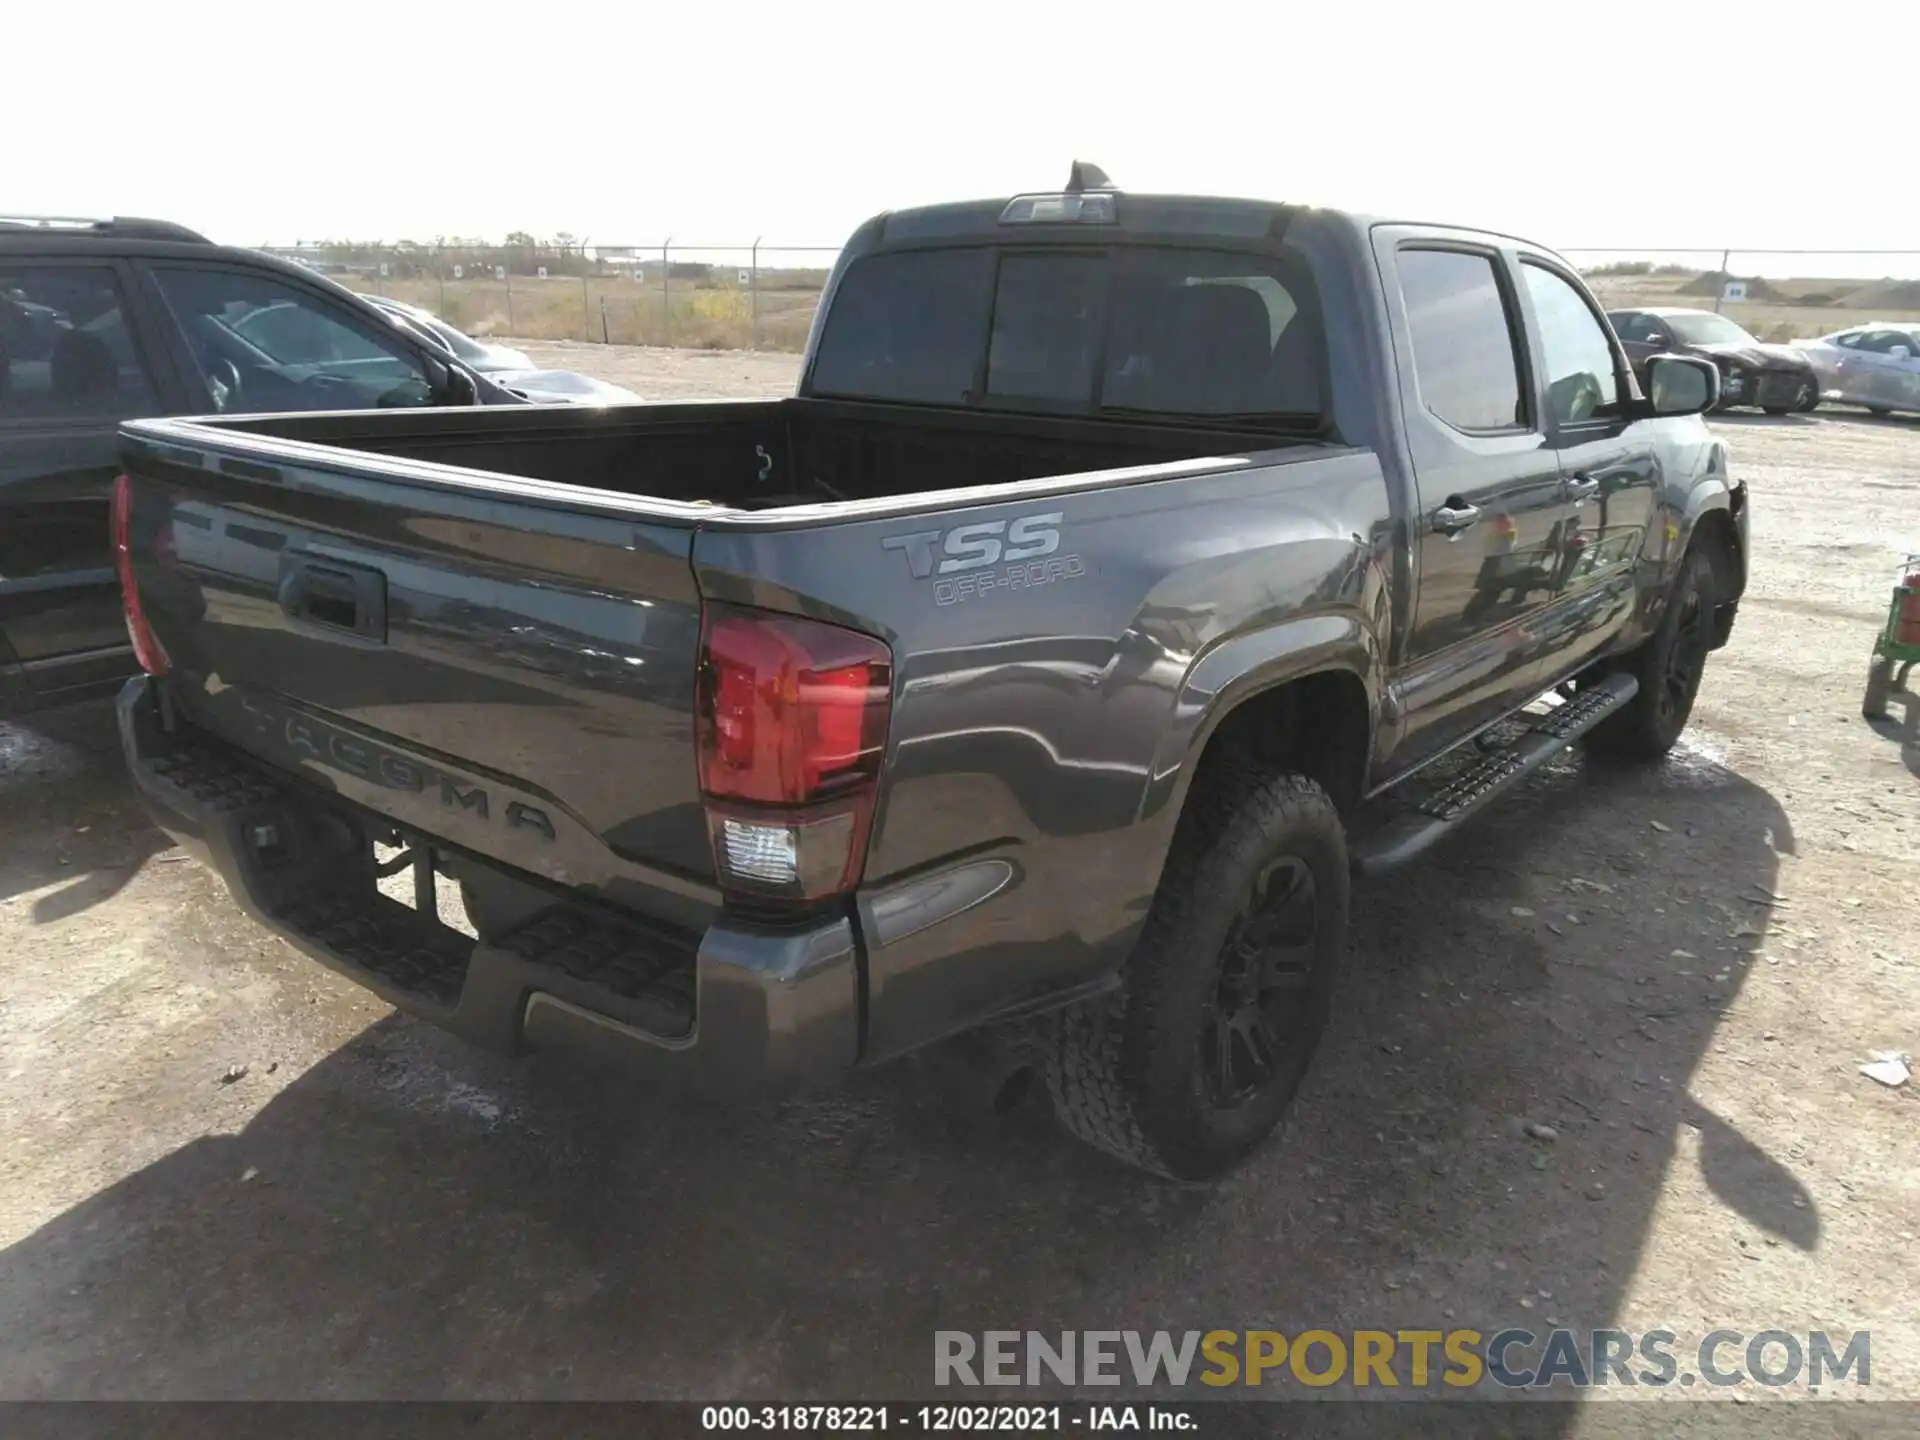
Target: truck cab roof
1121,216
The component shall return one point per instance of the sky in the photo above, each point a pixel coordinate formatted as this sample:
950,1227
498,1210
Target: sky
1658,126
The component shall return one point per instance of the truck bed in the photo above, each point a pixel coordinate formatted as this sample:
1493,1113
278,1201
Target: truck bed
526,626
759,455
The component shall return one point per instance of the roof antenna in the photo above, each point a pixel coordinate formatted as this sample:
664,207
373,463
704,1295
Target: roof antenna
1087,176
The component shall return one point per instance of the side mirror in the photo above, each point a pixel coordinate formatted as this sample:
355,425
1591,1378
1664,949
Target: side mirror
460,388
451,384
1901,352
1681,385
1657,339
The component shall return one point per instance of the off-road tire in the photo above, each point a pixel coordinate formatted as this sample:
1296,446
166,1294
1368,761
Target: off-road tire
1125,1071
1668,665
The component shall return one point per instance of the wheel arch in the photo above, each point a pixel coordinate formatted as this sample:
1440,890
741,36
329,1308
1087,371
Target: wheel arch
1305,692
1716,536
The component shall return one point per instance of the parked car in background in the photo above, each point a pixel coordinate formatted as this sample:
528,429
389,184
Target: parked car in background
1876,365
504,365
482,355
105,320
1776,378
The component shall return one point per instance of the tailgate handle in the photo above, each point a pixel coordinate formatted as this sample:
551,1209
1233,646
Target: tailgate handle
331,594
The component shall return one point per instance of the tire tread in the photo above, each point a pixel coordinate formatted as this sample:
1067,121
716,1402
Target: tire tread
1096,1069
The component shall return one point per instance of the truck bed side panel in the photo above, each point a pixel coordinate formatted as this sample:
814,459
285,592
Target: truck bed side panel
1035,692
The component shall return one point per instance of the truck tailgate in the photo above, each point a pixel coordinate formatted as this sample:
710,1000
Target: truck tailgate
498,666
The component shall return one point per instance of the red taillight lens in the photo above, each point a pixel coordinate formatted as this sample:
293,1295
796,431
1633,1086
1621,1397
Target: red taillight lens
147,649
791,719
790,711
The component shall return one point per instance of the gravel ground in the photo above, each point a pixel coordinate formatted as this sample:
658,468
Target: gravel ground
1678,970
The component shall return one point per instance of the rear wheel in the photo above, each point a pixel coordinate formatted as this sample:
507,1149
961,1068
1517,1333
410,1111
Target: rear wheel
1668,666
1193,1061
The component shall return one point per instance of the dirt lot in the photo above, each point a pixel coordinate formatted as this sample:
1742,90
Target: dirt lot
1679,970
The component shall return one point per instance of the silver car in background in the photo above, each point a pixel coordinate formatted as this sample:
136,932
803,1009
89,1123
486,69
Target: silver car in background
507,367
1876,365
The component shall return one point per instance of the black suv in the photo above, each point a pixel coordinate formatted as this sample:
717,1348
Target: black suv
104,320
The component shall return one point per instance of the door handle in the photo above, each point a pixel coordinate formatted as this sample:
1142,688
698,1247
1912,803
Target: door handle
1580,488
1454,516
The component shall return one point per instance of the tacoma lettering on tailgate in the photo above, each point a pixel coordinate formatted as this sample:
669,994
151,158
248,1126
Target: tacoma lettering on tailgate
307,739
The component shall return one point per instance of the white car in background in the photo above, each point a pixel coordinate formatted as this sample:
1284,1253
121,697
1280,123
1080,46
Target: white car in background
1876,365
510,368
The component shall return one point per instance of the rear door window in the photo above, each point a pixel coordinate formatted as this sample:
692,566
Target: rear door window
66,352
1465,361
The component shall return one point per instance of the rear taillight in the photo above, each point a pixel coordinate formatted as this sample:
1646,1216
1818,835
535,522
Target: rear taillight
146,647
791,722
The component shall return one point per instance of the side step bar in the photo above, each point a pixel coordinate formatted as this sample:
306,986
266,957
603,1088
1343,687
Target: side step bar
1402,838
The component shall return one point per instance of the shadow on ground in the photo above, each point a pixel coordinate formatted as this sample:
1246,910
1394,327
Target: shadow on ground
411,1218
70,820
1901,723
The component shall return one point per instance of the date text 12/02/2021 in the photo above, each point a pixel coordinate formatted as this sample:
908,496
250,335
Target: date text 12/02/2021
945,1419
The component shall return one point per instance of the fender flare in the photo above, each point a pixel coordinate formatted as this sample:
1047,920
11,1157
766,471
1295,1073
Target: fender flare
1236,669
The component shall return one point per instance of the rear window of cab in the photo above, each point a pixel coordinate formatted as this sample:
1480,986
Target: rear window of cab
1138,329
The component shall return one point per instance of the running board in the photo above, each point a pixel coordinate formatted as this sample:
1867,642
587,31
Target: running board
1402,838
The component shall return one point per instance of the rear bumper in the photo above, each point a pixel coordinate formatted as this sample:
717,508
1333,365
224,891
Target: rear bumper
732,1011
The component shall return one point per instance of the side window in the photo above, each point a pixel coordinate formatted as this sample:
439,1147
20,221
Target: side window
65,350
262,345
1580,374
1849,340
1464,359
1882,342
1639,328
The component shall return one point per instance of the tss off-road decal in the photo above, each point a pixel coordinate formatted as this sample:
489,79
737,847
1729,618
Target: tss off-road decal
988,555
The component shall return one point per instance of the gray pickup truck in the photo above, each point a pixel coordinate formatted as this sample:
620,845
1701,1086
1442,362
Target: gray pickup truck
1016,684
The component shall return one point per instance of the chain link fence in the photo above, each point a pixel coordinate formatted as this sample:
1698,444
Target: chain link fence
762,296
710,297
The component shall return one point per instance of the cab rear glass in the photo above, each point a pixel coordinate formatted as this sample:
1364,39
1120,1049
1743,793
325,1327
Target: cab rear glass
1119,330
